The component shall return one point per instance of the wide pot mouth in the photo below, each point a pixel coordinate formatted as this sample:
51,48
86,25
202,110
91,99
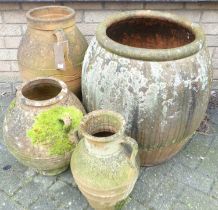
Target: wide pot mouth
150,35
42,91
50,17
102,126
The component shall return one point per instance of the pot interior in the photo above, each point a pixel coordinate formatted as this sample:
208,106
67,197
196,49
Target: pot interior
151,33
50,13
41,90
103,134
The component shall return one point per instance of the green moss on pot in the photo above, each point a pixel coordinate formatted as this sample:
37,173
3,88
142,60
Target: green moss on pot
49,128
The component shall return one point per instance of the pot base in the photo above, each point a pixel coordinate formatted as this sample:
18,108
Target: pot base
160,155
98,206
53,172
25,160
73,82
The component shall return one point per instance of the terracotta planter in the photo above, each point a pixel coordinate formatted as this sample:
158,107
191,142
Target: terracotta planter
104,163
154,69
40,123
52,46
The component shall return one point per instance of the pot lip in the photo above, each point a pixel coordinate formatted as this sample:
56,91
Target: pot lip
39,80
102,112
33,19
150,54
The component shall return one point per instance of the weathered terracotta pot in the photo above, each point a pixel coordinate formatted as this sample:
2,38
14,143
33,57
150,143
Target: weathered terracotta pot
38,127
52,46
154,69
104,163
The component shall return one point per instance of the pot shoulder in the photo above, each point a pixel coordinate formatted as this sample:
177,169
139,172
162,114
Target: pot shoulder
97,173
36,49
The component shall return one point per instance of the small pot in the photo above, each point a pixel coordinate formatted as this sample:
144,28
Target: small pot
105,163
39,104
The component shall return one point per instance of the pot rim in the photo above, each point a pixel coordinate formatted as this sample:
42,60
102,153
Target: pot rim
145,53
39,23
41,103
97,113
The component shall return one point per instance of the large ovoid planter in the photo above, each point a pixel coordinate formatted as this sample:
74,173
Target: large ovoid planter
154,69
105,162
52,46
40,124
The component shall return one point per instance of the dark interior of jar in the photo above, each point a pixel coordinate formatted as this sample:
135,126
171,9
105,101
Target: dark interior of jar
102,126
50,13
103,134
41,90
150,33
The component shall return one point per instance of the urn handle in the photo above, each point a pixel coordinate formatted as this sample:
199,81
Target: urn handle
134,147
61,49
73,135
67,121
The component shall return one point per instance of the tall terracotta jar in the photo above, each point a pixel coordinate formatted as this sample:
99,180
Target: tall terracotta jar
40,124
154,69
104,163
52,46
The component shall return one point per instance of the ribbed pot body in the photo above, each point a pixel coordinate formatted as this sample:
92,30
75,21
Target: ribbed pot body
52,47
163,102
19,119
103,168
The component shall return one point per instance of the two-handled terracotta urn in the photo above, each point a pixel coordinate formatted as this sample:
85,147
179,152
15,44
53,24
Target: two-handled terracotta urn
105,163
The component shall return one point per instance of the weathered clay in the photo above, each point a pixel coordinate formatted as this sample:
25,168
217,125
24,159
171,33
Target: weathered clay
52,46
154,69
46,147
105,164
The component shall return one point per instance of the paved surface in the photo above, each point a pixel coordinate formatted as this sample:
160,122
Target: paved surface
187,181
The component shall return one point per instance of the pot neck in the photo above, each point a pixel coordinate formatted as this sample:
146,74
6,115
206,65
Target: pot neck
104,149
146,53
51,18
102,131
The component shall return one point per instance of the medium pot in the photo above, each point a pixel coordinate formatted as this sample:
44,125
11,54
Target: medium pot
52,46
154,69
39,125
104,163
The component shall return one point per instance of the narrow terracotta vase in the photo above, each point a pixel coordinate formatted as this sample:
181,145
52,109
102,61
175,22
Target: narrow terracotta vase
40,123
105,162
52,46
